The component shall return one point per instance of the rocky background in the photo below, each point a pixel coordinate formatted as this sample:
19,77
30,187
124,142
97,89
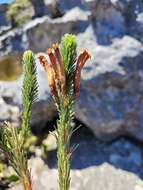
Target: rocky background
110,105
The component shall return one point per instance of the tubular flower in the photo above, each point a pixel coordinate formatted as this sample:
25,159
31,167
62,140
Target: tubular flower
56,72
50,72
61,67
82,58
43,60
53,61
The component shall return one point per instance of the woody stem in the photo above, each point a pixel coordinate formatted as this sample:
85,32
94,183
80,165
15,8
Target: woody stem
26,181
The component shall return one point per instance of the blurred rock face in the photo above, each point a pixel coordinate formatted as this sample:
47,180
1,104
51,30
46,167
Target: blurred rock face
111,92
101,165
3,20
10,67
4,24
115,18
111,98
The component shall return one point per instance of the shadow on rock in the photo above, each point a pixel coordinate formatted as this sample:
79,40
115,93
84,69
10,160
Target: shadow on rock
122,153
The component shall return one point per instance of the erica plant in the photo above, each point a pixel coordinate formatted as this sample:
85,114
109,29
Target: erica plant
63,69
13,139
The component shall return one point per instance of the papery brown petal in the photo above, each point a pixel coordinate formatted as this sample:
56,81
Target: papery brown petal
53,60
77,82
43,60
80,58
49,71
83,57
61,67
51,80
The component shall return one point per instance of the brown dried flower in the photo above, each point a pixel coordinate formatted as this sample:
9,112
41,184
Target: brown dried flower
61,67
83,57
55,70
50,72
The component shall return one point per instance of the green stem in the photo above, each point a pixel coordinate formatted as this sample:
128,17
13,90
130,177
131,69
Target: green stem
63,152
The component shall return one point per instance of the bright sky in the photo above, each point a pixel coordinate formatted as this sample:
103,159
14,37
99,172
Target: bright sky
5,1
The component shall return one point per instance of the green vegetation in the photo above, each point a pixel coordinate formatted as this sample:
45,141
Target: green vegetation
64,80
13,140
18,13
63,70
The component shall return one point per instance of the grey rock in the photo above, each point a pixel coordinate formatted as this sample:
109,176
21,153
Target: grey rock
65,5
110,102
132,13
126,155
53,8
136,158
104,177
42,30
4,23
3,20
91,167
39,8
12,42
48,31
9,112
104,16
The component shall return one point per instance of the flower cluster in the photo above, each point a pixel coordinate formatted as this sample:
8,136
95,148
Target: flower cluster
56,72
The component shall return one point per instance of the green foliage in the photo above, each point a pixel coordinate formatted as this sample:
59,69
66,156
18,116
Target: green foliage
13,140
1,167
65,130
29,91
68,54
68,51
11,146
17,13
12,178
5,181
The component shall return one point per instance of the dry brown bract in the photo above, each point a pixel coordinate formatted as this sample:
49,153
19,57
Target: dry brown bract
55,69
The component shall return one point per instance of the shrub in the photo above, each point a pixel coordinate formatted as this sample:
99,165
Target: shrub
18,13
